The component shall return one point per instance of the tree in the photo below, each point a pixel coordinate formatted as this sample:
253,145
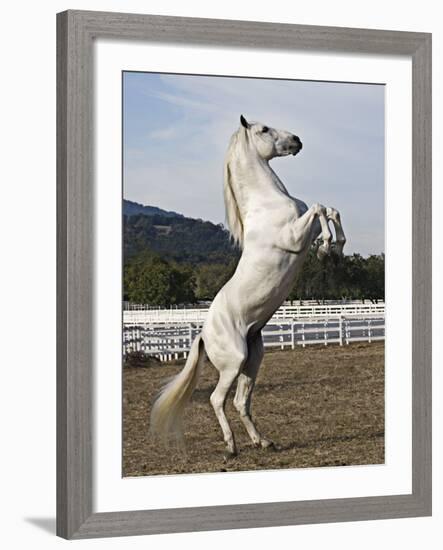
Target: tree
211,277
375,273
150,280
340,277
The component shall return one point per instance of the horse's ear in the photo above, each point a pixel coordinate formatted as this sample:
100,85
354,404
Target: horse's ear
244,122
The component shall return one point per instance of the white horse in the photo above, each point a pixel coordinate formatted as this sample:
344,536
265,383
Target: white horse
275,232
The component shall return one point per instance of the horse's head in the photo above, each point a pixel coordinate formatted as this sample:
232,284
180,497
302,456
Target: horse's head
269,142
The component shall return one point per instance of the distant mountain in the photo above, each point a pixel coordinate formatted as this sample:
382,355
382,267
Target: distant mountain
173,236
131,208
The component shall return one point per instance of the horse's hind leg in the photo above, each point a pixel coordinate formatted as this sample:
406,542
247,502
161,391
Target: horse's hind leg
245,386
334,216
229,363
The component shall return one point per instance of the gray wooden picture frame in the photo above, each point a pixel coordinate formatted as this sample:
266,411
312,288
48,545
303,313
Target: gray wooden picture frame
76,32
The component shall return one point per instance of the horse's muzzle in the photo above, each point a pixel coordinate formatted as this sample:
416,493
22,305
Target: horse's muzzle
298,143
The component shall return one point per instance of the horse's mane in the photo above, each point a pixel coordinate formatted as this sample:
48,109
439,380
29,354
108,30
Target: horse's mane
233,215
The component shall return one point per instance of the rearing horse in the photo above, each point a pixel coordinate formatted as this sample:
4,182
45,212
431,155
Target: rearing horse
275,232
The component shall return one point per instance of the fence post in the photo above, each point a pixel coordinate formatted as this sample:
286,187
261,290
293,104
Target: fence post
292,334
190,336
340,329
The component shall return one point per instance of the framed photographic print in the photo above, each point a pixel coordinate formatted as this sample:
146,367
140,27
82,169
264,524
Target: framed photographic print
244,213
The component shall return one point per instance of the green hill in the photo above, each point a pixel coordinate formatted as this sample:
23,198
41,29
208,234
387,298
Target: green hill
177,238
131,208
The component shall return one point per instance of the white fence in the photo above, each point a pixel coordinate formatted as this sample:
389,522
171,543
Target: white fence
172,340
142,315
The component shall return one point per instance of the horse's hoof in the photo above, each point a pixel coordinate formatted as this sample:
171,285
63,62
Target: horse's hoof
229,455
337,249
266,444
322,252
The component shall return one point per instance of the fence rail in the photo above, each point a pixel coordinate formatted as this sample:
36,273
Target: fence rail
172,340
136,315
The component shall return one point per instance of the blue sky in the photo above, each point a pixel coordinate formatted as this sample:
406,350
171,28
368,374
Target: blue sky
177,127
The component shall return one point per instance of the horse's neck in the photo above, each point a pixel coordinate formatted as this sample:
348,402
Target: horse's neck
256,184
277,181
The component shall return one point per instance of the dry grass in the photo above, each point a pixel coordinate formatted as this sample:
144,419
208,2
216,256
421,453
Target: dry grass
321,406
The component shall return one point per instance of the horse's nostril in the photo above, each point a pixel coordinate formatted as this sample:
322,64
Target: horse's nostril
296,138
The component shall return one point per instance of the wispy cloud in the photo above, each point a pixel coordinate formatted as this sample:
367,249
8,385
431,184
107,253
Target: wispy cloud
168,133
183,101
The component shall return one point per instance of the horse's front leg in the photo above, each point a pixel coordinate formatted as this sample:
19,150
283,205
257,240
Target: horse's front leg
299,235
325,247
340,238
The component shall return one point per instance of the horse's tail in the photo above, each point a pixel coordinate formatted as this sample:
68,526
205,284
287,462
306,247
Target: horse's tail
167,412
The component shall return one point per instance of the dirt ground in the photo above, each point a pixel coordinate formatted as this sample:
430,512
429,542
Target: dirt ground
322,406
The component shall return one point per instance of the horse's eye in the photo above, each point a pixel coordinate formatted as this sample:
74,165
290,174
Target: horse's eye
265,129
